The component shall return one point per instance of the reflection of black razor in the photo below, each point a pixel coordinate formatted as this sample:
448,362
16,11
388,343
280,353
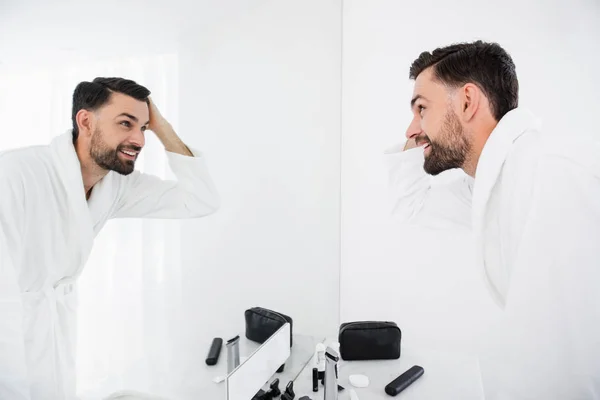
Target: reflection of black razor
289,392
274,390
271,394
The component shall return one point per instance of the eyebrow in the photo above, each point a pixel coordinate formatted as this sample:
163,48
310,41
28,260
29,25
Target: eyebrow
414,100
131,117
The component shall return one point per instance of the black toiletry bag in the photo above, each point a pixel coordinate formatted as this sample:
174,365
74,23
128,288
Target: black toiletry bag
262,323
369,340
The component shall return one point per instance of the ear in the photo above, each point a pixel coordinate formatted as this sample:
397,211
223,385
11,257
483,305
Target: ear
85,122
470,101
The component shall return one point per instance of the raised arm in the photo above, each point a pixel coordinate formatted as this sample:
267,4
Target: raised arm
192,195
417,197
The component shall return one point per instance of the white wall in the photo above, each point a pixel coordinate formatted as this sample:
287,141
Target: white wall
426,280
261,94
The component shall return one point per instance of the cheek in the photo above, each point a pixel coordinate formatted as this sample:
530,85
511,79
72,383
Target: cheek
112,137
430,124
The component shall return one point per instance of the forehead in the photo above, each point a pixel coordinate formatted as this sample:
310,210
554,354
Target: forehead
120,103
428,87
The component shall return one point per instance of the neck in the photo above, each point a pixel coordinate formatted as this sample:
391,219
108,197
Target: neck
90,171
479,140
472,160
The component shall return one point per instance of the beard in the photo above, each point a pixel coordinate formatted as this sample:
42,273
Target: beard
108,158
450,150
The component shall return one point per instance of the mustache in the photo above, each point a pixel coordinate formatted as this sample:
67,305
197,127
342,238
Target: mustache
422,139
129,147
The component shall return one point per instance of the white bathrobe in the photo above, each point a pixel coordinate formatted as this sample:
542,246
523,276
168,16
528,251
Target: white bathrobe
536,217
49,228
536,220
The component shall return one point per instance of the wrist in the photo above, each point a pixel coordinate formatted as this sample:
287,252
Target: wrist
410,144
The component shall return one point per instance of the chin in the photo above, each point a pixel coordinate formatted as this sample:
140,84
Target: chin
124,173
435,172
434,168
124,169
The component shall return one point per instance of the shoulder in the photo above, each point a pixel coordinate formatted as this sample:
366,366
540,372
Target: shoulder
18,164
527,147
24,155
520,170
579,153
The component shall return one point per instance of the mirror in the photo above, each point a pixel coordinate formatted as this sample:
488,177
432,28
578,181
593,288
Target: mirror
260,91
246,380
255,87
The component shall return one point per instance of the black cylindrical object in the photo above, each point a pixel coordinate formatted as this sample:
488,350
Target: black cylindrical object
214,351
404,380
315,378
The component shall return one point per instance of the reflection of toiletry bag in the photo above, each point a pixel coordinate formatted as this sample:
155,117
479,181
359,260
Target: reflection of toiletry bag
369,340
262,323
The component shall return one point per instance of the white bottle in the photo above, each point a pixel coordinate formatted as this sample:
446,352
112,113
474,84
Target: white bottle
331,375
320,357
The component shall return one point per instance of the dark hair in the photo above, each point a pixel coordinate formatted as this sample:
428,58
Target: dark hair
487,65
93,95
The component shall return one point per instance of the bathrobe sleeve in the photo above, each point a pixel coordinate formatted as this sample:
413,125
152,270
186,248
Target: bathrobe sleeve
416,197
191,195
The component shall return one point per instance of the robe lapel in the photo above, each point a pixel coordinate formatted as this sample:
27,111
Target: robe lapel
514,124
69,170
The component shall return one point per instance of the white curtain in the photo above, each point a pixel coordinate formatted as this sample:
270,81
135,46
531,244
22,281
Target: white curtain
130,289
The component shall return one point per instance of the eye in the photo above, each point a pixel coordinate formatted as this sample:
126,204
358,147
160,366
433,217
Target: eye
421,109
144,128
126,124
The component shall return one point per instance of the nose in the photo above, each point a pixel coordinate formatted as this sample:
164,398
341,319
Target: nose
137,138
414,129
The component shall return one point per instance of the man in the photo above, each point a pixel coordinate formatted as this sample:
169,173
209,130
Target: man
55,199
536,218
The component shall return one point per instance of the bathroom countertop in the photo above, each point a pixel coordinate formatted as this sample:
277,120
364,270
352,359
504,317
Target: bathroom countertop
197,379
447,376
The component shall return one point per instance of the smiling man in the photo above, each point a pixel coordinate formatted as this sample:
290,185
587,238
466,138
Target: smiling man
535,213
55,199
